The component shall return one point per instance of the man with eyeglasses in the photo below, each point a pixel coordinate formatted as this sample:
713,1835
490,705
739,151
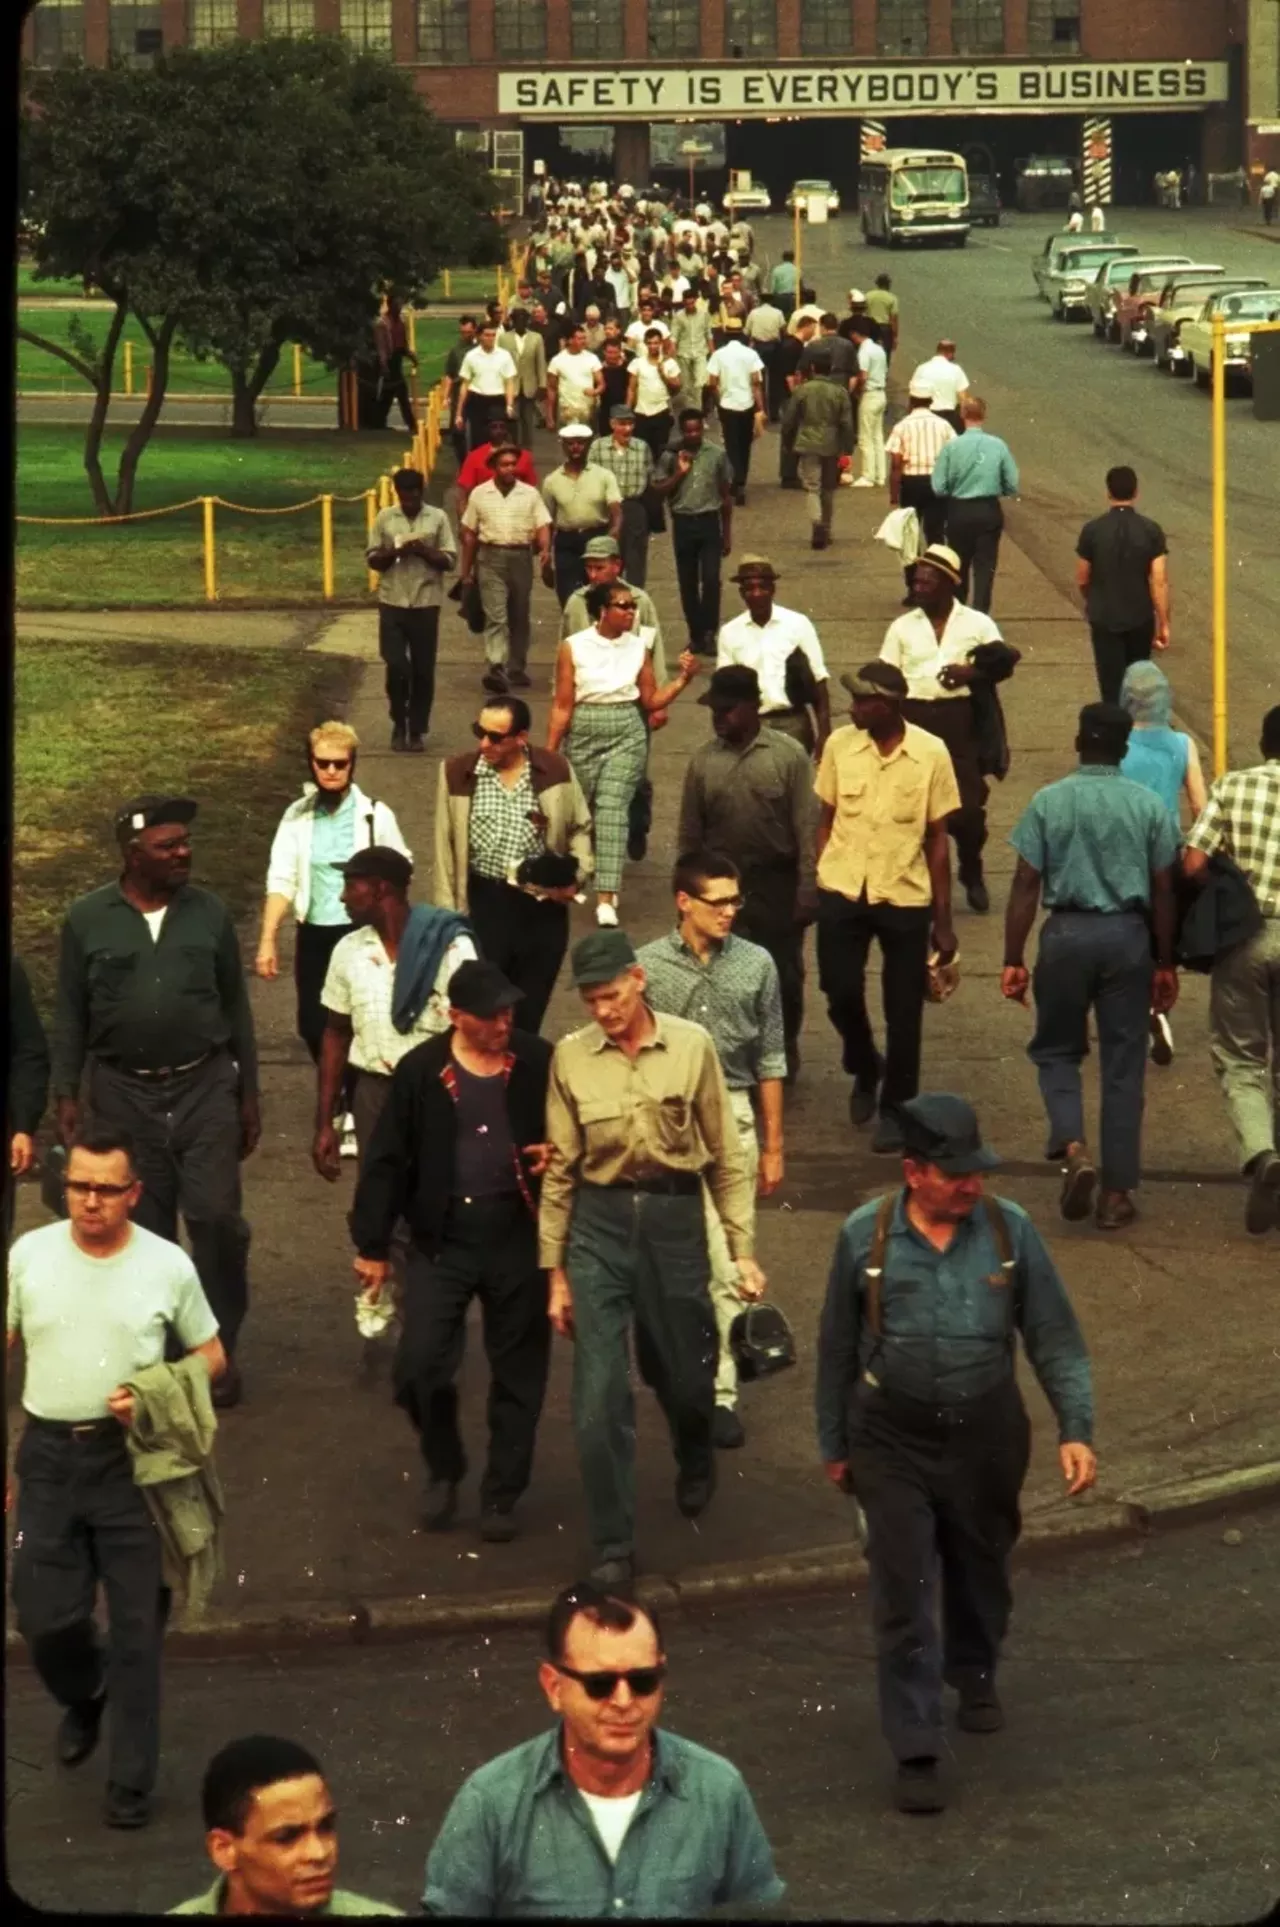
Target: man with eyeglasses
607,1815
91,1299
729,986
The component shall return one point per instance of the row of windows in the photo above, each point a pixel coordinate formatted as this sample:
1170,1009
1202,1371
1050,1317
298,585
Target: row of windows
596,27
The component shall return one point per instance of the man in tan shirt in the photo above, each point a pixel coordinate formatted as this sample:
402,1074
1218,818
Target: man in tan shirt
638,1114
884,870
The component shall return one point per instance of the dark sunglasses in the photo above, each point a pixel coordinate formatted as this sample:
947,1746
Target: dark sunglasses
332,762
642,1681
615,604
483,735
723,903
83,1188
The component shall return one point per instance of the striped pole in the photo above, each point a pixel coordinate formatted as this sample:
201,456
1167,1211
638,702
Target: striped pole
1096,155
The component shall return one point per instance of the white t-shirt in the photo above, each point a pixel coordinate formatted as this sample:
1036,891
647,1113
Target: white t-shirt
577,372
653,397
90,1324
154,919
612,1819
733,366
637,330
487,373
947,380
874,364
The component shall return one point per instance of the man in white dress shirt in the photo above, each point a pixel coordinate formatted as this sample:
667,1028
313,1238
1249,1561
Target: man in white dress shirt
763,638
944,375
488,374
735,376
869,388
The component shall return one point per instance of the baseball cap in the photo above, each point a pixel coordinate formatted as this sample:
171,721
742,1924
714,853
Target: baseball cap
942,1129
921,391
600,548
876,679
149,811
600,957
380,862
481,990
621,413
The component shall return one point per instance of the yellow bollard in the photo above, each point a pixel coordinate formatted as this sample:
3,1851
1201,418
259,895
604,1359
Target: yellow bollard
370,517
1218,446
128,367
448,284
210,570
384,491
326,544
297,369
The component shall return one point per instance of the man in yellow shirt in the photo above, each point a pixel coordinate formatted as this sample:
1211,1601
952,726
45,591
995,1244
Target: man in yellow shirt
884,870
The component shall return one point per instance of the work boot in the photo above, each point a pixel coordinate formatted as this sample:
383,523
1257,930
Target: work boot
863,1096
1263,1208
439,1505
494,680
126,1808
614,1575
1115,1210
520,679
1079,1179
417,746
888,1141
229,1389
726,1428
693,1494
399,738
979,1710
79,1729
498,1525
916,1788
817,536
976,895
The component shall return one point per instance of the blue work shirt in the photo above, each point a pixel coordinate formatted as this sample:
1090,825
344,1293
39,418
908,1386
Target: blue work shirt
519,1842
333,839
734,994
949,1321
974,464
1096,837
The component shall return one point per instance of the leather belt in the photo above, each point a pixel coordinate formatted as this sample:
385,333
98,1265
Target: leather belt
503,545
672,1184
76,1429
169,1070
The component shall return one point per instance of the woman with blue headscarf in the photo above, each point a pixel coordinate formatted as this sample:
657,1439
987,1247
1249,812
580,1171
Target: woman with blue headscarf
1166,761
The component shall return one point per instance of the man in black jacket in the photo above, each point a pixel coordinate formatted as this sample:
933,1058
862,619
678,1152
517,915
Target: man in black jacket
459,1151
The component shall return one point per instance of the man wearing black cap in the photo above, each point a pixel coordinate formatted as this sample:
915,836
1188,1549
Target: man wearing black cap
638,1114
919,1415
152,998
1101,850
459,1151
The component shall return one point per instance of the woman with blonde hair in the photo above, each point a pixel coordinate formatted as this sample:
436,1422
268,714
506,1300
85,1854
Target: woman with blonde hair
329,822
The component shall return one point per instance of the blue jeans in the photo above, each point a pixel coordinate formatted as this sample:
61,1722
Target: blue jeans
1104,962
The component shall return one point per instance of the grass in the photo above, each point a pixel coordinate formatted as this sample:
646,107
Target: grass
27,283
97,722
39,370
273,558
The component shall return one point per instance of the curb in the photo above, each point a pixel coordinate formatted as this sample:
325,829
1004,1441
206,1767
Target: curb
824,1569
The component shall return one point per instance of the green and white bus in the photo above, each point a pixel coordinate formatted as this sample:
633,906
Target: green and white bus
914,194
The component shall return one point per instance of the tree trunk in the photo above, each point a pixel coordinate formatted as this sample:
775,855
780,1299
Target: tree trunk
161,342
244,409
98,418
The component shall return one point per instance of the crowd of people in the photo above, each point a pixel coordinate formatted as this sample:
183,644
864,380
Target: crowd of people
604,1189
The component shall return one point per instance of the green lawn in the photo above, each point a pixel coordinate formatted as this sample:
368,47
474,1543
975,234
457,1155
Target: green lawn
263,558
98,722
28,284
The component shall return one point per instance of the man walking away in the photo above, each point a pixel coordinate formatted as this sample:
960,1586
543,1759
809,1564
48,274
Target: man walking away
695,477
504,525
764,328
391,339
869,390
943,374
970,475
934,1440
783,282
913,447
735,376
882,308
412,548
582,500
1241,820
1123,575
800,331
817,423
1095,954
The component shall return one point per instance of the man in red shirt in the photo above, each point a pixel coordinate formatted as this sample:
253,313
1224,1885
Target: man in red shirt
478,466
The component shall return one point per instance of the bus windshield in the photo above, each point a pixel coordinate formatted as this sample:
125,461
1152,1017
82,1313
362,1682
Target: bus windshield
911,184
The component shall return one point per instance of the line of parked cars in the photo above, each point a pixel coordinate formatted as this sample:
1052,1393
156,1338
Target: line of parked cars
1161,305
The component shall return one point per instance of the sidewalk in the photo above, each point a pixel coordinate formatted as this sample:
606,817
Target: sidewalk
1181,1313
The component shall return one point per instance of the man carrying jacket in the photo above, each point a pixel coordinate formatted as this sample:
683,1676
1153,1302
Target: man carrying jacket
459,1151
817,423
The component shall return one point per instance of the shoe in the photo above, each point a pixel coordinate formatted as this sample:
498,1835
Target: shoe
1161,1039
977,897
519,679
863,1098
79,1729
417,745
495,681
439,1505
863,481
819,537
498,1525
726,1428
1115,1210
228,1390
916,1788
399,739
980,1711
125,1808
887,1141
614,1575
1263,1209
348,1146
740,497
1079,1179
693,1495
606,916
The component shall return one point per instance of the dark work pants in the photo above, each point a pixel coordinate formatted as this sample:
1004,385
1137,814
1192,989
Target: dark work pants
775,391
845,931
916,492
633,540
82,1522
394,388
1101,962
939,1486
567,547
951,718
634,1257
478,411
407,643
313,945
1114,650
655,432
524,938
490,1252
768,917
973,530
696,541
738,425
186,1136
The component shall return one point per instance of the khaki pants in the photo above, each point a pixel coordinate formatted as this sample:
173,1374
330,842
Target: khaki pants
1244,1033
871,435
819,478
724,1271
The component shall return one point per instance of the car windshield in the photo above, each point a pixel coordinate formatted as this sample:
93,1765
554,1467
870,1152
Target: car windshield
1070,263
1251,307
813,187
929,184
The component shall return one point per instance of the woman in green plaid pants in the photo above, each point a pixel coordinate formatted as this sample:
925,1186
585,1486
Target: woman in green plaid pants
604,691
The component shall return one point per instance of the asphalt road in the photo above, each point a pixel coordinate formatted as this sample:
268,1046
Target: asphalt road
1070,407
1136,1780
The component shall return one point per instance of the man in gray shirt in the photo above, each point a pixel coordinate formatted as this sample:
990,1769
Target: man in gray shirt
412,548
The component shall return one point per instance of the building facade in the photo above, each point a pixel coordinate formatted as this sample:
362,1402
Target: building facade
781,86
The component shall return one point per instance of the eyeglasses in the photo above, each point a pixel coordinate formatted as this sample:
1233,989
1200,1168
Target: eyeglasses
615,604
84,1188
483,735
723,903
332,762
642,1681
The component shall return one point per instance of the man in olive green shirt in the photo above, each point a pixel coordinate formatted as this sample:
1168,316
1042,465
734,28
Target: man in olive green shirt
637,1114
582,500
817,422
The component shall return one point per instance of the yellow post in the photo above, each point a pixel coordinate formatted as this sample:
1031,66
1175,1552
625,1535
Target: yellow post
128,367
370,516
384,491
297,369
326,544
797,247
448,284
210,568
1219,465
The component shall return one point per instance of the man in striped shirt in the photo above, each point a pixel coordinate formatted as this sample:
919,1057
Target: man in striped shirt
913,446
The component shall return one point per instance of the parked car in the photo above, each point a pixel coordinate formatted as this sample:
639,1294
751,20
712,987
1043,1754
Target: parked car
1044,180
1067,288
984,201
1181,302
1047,259
747,200
1139,301
1105,288
801,190
1197,335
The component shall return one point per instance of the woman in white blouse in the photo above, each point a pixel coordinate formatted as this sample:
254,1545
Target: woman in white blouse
604,690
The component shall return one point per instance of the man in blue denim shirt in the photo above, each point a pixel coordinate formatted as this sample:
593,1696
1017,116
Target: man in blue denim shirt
920,1416
607,1816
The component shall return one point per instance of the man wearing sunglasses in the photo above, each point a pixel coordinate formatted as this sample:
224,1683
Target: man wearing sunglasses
607,1815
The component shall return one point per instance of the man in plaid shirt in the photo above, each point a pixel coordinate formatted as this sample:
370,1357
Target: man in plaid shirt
1242,820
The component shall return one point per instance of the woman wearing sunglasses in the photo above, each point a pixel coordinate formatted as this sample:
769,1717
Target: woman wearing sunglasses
329,822
604,692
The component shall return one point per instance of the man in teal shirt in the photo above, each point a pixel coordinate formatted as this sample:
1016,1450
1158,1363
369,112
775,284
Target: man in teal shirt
1102,851
607,1816
783,280
970,475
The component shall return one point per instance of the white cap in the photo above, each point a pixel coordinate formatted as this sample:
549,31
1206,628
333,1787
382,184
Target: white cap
921,391
576,431
856,294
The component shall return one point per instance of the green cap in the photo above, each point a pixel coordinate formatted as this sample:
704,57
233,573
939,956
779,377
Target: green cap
601,957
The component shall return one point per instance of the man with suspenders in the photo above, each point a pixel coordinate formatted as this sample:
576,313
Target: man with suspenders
920,1417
